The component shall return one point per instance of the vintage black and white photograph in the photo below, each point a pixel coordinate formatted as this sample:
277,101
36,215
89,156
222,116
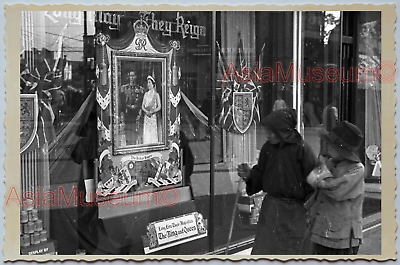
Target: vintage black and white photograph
237,134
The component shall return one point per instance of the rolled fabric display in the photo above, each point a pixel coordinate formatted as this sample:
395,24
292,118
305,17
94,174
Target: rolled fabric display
90,190
23,217
35,238
31,227
25,240
30,216
43,235
35,214
26,228
26,206
38,225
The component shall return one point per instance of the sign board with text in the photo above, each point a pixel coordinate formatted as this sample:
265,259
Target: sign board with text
46,248
174,231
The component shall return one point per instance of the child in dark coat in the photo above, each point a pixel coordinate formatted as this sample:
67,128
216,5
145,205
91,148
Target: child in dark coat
283,166
337,206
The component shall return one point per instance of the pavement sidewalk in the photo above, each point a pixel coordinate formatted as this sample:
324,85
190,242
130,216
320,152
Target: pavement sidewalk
371,228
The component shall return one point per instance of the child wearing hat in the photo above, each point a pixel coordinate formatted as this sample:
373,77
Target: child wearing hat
339,182
284,163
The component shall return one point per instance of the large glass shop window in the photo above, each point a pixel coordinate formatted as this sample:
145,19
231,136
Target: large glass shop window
251,48
340,52
320,66
274,42
367,103
116,110
56,99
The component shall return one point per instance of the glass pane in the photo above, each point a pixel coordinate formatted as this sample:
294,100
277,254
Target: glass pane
52,62
56,81
251,47
368,99
320,76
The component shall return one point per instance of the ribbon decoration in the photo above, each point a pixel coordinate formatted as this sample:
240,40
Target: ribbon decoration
174,127
175,99
103,101
199,115
102,128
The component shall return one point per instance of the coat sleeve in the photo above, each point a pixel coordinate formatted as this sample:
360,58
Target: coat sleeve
345,187
254,183
309,160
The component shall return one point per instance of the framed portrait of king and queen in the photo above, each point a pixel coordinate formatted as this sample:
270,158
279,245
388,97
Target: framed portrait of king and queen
139,101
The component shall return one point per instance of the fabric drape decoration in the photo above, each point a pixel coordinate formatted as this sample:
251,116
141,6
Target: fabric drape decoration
196,111
62,147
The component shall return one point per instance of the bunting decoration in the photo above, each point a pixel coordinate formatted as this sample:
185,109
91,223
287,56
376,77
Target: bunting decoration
174,92
103,91
103,101
174,126
175,99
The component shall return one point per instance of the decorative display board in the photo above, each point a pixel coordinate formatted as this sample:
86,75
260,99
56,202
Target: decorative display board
138,119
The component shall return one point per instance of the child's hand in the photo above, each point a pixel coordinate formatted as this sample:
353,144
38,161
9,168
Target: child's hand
324,160
243,171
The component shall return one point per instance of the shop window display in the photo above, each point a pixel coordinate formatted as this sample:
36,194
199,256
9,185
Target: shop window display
132,109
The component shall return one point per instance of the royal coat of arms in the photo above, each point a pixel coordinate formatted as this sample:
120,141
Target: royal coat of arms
242,110
28,120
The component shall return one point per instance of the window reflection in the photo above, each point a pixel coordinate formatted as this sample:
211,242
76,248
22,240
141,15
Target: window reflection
320,70
52,63
331,20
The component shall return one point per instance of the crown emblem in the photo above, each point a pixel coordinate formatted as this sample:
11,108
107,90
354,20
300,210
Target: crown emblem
102,39
141,28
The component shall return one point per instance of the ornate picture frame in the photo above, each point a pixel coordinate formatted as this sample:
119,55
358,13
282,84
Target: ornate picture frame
140,102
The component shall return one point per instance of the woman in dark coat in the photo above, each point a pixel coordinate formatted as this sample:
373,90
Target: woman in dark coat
284,163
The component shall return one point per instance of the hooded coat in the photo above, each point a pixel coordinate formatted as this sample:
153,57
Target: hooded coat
281,172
